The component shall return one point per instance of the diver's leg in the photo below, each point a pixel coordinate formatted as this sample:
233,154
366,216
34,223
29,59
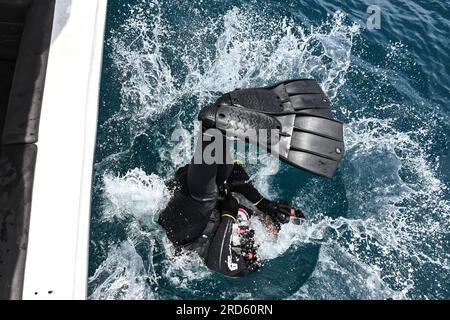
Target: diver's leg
225,169
189,210
239,181
223,173
203,178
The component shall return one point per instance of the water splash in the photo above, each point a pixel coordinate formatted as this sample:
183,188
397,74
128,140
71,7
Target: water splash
397,212
249,50
122,276
134,194
398,208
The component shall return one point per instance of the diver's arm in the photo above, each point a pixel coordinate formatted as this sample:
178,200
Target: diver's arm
276,212
239,181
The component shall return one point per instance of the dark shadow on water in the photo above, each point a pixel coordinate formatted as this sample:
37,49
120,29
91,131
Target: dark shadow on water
279,278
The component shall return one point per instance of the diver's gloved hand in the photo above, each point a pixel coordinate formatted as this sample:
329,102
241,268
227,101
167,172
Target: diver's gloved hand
230,206
282,212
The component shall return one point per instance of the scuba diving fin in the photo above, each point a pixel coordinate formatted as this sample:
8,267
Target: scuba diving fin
292,119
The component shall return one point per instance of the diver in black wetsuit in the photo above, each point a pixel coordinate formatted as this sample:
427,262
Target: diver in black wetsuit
205,214
217,217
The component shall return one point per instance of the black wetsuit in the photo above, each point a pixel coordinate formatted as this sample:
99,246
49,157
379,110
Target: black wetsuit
193,218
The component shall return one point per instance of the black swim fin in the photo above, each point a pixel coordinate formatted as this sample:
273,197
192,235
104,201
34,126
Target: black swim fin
292,119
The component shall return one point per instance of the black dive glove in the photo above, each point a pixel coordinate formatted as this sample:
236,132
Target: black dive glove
282,212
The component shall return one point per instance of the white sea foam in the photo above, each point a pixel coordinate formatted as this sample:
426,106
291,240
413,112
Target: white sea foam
134,194
244,55
121,276
392,223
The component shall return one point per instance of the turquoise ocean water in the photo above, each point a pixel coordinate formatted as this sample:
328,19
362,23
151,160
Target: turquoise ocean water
378,230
